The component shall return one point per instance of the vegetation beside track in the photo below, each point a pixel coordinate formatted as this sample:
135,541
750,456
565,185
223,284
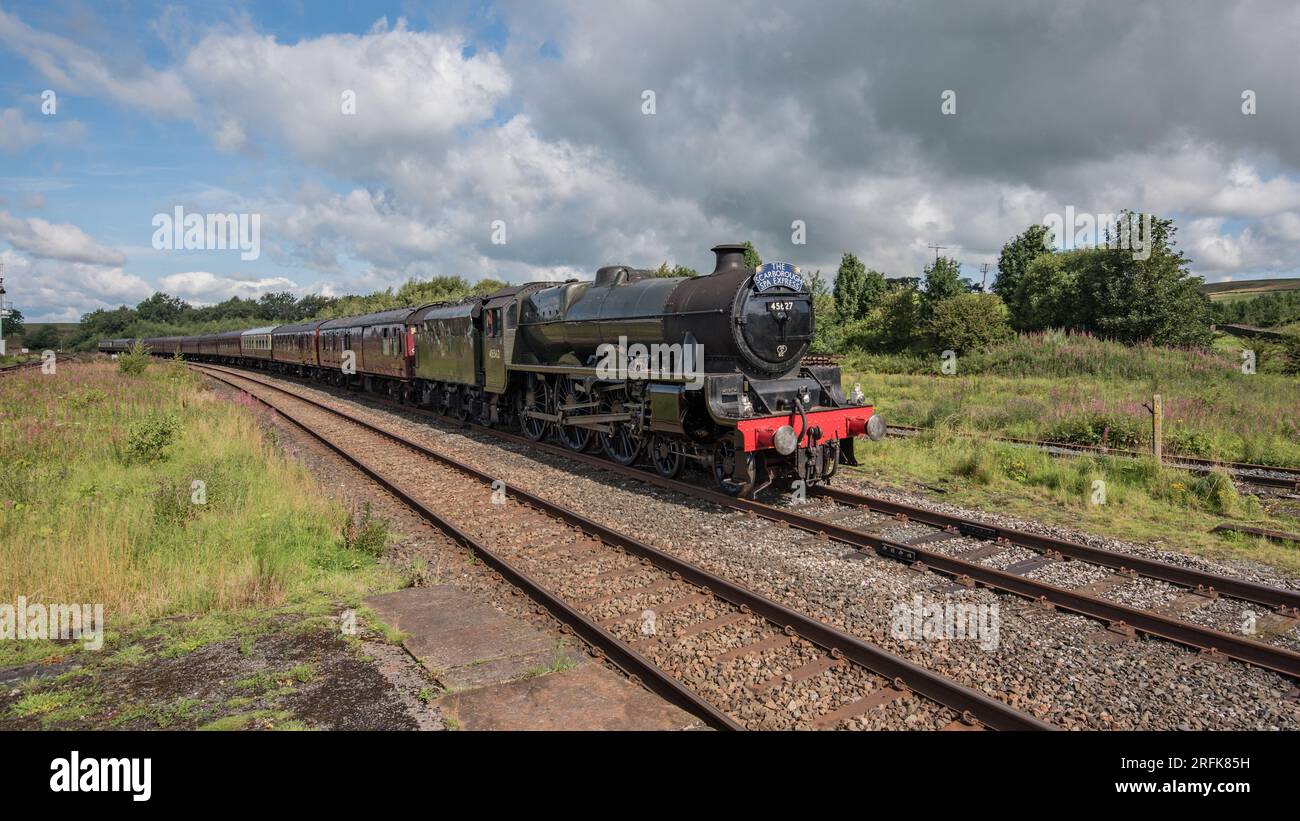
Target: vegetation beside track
1080,389
1077,388
1139,501
98,504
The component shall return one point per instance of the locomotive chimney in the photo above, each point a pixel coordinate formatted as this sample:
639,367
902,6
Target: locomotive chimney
730,257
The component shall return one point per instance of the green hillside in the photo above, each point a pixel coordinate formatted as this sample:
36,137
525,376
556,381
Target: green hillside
1248,288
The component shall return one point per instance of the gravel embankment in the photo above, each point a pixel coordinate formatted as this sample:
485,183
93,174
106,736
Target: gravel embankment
1062,668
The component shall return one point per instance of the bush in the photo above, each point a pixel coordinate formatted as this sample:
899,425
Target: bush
1104,429
1189,443
134,361
148,439
1291,346
897,318
970,322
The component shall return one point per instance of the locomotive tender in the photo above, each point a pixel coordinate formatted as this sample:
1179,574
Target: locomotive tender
707,369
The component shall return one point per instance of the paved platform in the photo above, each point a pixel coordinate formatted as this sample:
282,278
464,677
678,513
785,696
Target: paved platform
504,674
466,643
585,698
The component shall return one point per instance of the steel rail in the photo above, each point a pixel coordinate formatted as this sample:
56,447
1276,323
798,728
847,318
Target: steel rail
1277,659
623,656
1242,471
36,363
965,701
1263,594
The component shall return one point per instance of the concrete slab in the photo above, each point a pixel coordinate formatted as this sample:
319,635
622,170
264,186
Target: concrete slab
466,643
584,698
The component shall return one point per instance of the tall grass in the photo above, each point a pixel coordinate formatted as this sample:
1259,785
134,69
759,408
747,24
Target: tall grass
97,500
1076,387
1123,498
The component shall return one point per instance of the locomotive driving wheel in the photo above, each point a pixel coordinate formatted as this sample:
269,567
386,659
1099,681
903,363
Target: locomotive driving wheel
734,470
536,398
574,437
624,443
668,461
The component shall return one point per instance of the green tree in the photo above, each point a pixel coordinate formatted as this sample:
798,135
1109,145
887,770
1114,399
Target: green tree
313,304
942,282
162,308
898,318
848,287
752,259
1263,311
970,322
825,320
1047,293
231,308
857,289
1156,299
278,308
1016,256
46,337
677,271
13,324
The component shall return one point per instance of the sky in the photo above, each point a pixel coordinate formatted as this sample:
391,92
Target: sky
370,142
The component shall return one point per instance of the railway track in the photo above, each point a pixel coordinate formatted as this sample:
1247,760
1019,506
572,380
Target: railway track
1282,478
1200,587
719,650
36,363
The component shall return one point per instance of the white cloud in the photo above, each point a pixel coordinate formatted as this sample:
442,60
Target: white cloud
82,71
53,291
63,241
410,89
17,133
823,116
206,288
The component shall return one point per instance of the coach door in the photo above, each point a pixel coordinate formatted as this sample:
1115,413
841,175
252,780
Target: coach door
494,351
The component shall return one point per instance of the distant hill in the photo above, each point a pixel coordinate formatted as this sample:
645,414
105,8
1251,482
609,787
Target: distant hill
1247,288
64,329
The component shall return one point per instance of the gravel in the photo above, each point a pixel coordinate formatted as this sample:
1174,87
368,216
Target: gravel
1064,669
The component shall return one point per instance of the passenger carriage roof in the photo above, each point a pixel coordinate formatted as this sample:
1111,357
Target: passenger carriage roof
446,310
389,317
252,331
300,327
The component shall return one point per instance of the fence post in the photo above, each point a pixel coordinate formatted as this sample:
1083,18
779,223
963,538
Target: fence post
1157,427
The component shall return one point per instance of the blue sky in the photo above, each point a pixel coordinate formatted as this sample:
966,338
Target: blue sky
129,167
530,113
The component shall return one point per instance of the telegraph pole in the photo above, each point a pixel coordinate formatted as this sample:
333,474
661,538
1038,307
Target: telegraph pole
937,249
984,283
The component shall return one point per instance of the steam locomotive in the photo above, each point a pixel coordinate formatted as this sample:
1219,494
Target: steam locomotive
708,370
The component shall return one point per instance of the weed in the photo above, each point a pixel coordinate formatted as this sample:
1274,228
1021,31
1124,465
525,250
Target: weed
366,533
148,438
135,361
